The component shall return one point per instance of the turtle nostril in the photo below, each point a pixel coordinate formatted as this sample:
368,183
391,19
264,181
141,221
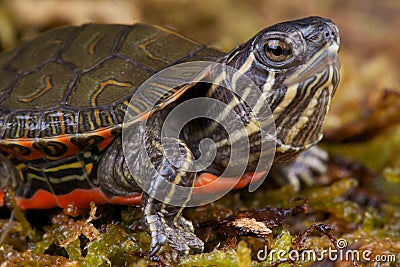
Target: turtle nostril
330,33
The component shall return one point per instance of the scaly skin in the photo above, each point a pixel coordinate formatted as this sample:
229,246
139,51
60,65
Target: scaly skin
165,221
295,66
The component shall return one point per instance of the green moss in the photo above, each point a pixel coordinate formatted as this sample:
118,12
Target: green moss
243,254
281,249
215,258
330,199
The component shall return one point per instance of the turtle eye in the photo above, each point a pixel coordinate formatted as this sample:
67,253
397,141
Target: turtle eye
277,50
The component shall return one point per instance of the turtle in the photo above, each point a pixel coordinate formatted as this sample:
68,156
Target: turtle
65,95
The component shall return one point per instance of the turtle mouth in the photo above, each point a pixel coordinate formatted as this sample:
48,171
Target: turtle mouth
324,59
299,125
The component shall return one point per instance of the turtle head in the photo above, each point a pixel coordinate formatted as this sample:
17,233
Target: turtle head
295,64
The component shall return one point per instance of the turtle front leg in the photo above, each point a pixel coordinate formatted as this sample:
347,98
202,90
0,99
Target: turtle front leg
161,214
167,226
9,176
303,169
158,170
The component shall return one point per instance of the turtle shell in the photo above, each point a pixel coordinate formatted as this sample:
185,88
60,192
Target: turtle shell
68,89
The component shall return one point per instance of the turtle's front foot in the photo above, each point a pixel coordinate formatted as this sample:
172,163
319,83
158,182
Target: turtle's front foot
167,226
304,169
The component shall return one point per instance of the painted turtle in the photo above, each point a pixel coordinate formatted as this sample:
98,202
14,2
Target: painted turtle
65,93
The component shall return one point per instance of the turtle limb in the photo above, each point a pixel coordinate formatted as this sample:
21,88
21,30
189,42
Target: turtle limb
167,226
159,168
9,175
303,169
163,201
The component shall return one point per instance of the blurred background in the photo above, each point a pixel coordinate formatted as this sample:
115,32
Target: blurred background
370,36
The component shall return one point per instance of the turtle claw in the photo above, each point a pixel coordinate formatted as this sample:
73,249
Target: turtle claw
177,233
155,249
304,169
167,226
183,239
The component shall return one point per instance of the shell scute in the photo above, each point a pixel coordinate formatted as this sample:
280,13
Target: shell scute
68,89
